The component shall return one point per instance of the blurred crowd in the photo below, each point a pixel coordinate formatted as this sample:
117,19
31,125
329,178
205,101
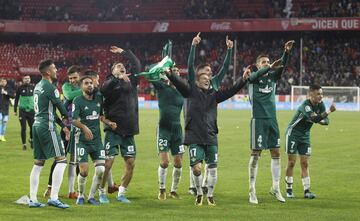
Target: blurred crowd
126,10
330,60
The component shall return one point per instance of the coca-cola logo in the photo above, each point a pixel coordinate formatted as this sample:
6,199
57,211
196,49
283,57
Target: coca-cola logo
220,26
78,28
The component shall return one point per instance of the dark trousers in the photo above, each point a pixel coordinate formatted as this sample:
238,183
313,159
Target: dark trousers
24,117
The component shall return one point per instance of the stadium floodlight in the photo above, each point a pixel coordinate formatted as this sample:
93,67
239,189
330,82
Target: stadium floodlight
346,98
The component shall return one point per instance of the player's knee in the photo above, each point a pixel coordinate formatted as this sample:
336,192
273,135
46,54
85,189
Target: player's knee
39,163
291,163
84,173
177,162
275,152
164,164
304,164
197,169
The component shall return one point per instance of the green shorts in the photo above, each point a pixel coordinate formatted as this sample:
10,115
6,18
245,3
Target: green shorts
198,153
264,134
71,144
297,143
95,149
170,139
47,143
113,142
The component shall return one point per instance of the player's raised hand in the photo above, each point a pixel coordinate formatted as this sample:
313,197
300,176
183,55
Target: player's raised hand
116,50
289,45
125,77
112,125
196,40
333,107
87,132
247,72
276,64
67,133
229,43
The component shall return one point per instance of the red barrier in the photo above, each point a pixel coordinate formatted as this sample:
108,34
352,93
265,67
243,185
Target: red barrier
247,25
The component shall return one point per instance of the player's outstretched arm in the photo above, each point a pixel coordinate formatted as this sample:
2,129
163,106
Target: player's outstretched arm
182,86
284,58
223,95
216,80
191,59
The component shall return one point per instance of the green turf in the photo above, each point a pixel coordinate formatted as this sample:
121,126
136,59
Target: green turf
334,176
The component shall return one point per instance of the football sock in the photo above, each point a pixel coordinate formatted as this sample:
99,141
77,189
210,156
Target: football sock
289,180
99,172
198,182
306,183
34,181
162,172
253,168
205,177
176,175
122,191
81,185
191,176
212,179
275,171
57,179
71,176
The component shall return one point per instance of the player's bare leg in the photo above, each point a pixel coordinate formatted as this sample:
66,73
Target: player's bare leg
253,168
126,178
276,173
176,176
289,178
305,177
162,173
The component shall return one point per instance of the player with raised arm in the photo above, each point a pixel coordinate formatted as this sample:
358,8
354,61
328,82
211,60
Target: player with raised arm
87,112
264,130
215,83
297,135
121,106
47,141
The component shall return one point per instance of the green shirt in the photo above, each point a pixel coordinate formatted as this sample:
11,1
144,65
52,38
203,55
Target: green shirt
262,92
304,117
216,80
46,100
88,112
170,104
70,91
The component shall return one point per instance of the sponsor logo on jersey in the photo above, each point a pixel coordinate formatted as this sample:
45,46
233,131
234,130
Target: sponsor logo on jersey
266,90
307,108
94,116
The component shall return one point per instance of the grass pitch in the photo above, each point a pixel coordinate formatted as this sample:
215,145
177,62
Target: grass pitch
334,170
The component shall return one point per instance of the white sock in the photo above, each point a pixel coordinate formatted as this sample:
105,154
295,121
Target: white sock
122,191
198,182
289,182
57,179
211,183
275,171
162,172
34,182
81,185
191,176
205,177
306,183
109,179
99,172
176,175
71,177
253,168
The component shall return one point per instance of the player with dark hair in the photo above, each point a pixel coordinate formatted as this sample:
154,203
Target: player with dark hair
47,141
121,106
25,101
311,111
264,133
